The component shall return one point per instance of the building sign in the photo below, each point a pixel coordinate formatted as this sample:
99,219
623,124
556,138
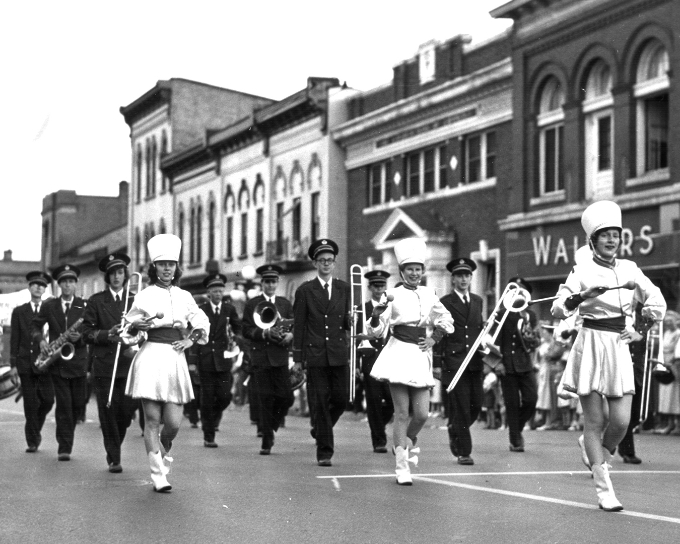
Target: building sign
556,250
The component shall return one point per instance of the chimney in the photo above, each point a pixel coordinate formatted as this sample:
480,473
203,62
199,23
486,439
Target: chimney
8,255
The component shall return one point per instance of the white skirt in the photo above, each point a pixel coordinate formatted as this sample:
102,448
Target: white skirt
404,363
600,362
159,373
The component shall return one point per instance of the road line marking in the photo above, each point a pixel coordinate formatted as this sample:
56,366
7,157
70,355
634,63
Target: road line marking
336,484
531,473
545,499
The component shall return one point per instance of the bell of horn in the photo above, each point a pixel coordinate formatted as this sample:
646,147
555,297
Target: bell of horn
265,315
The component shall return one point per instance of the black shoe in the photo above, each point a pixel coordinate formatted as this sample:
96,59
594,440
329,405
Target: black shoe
265,451
194,425
518,449
380,449
209,444
312,431
453,448
31,449
324,463
465,460
631,459
64,457
115,468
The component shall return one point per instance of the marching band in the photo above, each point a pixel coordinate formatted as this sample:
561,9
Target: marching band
402,340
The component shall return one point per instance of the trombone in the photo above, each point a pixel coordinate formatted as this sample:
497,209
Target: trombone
513,299
357,306
122,324
653,362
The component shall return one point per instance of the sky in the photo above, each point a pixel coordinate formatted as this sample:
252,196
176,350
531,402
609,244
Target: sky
68,66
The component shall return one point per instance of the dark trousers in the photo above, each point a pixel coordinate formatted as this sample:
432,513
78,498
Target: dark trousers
38,394
464,404
253,402
627,445
379,407
520,397
275,397
115,419
215,397
71,396
328,389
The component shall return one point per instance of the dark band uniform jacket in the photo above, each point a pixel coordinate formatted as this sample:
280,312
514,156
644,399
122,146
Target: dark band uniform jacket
516,359
211,355
265,352
51,312
320,336
453,348
23,347
102,314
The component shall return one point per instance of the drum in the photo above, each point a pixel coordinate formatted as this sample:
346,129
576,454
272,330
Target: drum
9,382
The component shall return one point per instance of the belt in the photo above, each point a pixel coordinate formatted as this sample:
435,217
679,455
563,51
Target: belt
408,333
164,335
610,324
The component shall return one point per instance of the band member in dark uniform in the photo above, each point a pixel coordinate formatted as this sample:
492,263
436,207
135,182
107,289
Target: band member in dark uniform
214,369
516,372
321,345
379,407
36,387
465,402
68,376
101,329
269,356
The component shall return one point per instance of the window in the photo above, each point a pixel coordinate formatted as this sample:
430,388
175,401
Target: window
297,218
148,168
443,168
180,228
138,249
380,183
598,119
244,234
211,231
413,174
259,231
164,152
429,170
315,228
652,109
192,236
230,238
550,123
154,165
199,234
480,157
161,228
279,228
140,160
425,171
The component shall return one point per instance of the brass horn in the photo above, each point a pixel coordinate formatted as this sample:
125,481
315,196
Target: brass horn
265,315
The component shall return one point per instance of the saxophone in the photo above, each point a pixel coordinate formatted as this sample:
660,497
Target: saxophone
59,348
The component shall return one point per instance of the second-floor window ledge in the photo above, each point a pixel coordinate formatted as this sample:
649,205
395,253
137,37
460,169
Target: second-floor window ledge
549,198
655,176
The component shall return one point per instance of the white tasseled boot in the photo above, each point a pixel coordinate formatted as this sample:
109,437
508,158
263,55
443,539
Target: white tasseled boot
158,472
605,492
403,470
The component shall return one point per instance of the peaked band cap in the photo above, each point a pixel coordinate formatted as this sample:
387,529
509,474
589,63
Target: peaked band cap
269,271
601,215
213,280
410,250
461,264
320,246
65,271
521,282
113,260
164,247
38,276
377,277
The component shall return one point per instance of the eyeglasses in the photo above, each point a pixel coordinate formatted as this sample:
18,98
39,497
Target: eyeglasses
325,261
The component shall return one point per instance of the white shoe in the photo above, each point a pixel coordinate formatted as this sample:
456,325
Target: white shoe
403,471
605,491
158,473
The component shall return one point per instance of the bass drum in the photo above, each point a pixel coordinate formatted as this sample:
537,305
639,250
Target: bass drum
297,379
9,382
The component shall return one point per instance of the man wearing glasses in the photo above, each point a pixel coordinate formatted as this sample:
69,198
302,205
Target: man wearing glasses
321,345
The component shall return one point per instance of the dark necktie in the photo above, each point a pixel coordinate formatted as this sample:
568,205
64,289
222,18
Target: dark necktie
325,291
117,298
67,305
467,301
36,309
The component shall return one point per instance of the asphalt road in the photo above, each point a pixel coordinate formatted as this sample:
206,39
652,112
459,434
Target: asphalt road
232,494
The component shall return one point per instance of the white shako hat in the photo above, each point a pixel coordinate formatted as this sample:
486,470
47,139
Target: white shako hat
164,247
410,250
603,214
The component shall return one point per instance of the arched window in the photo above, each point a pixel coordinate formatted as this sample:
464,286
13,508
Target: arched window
192,236
154,164
139,181
599,129
211,230
148,167
161,228
229,208
652,111
550,123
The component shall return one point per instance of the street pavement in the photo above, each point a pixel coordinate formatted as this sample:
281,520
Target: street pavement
232,494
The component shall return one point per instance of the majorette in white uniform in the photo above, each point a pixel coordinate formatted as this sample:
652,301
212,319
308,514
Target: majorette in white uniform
158,372
599,360
401,361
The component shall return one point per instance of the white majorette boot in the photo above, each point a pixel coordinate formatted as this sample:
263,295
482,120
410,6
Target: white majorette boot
605,492
584,455
158,472
403,470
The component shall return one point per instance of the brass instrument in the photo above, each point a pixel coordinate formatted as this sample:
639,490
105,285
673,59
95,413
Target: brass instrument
232,347
514,299
357,306
267,317
528,336
653,367
60,348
